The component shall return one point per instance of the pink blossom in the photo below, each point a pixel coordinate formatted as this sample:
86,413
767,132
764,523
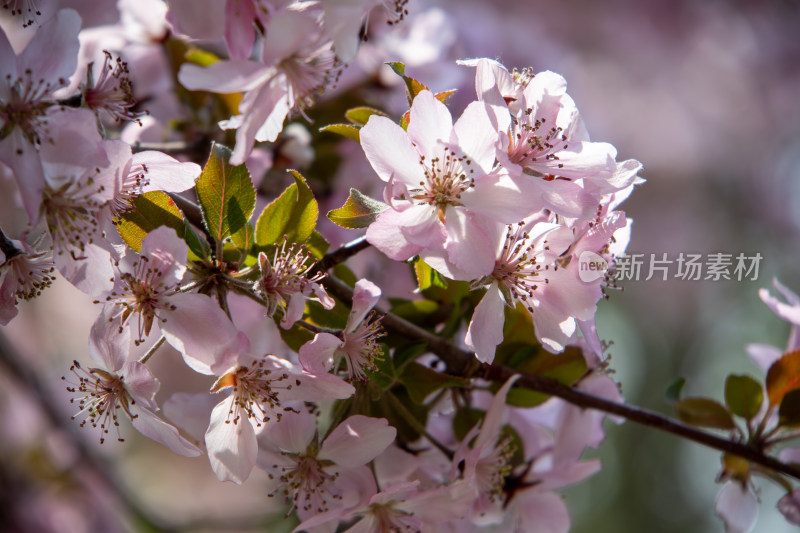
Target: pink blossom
297,62
444,195
262,389
27,81
357,346
285,282
121,385
147,289
543,137
310,472
24,274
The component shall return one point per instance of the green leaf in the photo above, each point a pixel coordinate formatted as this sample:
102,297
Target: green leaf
360,115
226,194
566,367
789,411
673,392
743,396
444,95
243,239
413,87
359,211
415,310
420,381
199,250
293,213
428,277
317,244
783,377
150,210
345,130
409,352
704,412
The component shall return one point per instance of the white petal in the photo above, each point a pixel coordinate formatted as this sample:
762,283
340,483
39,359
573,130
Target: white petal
477,137
316,356
486,328
166,173
365,296
430,126
197,328
385,235
231,76
232,445
468,245
107,346
153,427
357,441
390,151
737,507
52,54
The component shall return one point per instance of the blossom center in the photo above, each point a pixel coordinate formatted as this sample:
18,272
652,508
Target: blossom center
446,178
519,270
101,393
532,142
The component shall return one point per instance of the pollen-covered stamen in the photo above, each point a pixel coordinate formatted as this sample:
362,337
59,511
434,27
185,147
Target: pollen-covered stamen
360,348
100,395
491,471
23,8
534,140
519,269
133,185
32,272
255,393
25,107
304,482
286,275
397,10
112,92
446,178
72,212
142,292
389,518
309,72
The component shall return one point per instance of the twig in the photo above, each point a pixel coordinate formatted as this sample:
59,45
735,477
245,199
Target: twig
340,255
146,357
463,363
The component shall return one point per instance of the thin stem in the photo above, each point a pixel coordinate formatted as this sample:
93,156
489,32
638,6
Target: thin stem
403,411
156,345
463,363
316,329
339,255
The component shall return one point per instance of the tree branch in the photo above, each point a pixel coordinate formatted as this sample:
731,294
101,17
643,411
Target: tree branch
465,364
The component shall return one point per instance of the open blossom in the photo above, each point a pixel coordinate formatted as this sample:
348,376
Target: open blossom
543,137
262,389
286,281
313,475
147,291
357,346
402,507
296,64
444,195
120,386
110,94
23,275
344,18
27,82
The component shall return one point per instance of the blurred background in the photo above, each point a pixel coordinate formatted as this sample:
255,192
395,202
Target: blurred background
704,94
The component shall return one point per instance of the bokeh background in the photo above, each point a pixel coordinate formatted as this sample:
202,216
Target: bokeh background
705,94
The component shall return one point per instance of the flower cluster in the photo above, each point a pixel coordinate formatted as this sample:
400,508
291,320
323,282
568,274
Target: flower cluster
365,412
508,196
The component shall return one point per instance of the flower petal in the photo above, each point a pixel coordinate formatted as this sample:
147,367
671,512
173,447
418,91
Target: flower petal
149,425
231,443
486,328
357,441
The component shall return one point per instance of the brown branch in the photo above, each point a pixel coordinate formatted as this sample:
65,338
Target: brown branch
463,363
